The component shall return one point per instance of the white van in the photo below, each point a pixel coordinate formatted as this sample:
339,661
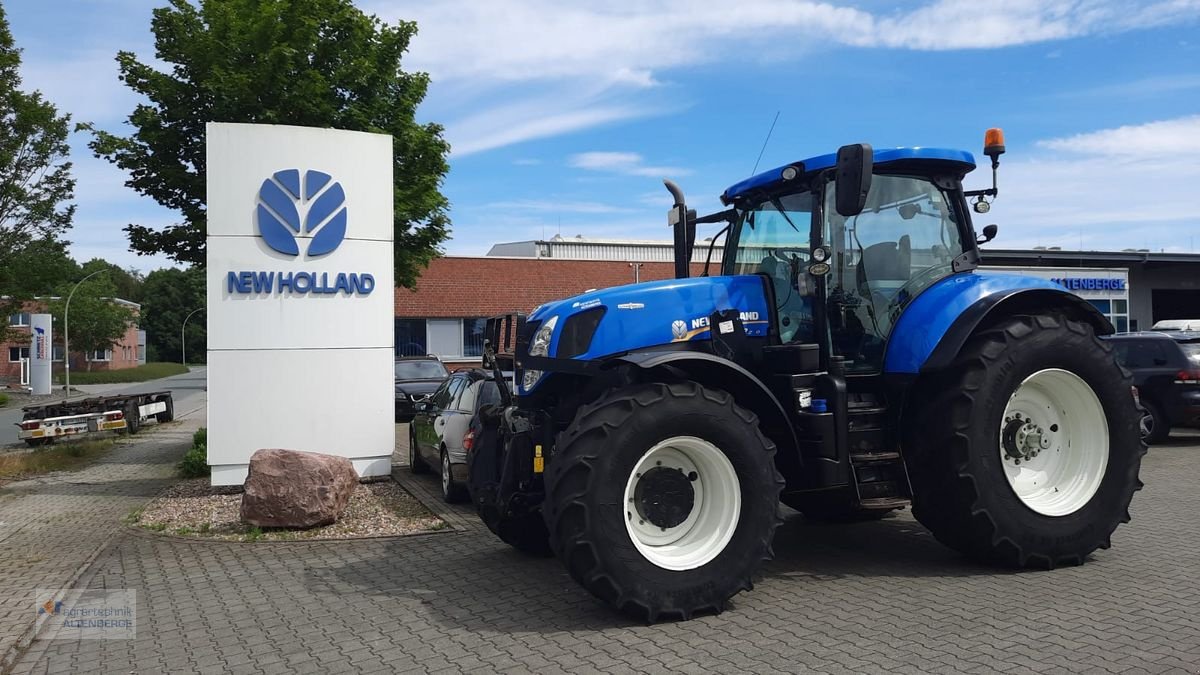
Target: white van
1177,324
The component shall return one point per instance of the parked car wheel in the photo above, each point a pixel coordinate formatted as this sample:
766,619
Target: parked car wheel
415,463
452,490
1155,425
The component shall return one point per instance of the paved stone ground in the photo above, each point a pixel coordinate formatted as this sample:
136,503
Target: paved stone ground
52,527
874,597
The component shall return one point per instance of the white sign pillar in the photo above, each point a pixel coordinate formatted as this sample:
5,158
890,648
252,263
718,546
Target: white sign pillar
300,295
41,339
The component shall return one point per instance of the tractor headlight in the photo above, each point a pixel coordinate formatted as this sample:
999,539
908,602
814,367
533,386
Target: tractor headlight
539,346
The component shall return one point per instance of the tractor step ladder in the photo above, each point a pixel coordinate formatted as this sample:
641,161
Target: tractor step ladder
880,477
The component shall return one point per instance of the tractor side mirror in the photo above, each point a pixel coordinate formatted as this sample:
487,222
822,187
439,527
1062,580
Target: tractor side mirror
853,178
989,233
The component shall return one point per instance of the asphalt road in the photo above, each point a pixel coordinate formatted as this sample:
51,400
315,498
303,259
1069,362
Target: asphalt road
187,391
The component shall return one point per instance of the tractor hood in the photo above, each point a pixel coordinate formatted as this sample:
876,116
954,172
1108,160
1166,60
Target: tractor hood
625,318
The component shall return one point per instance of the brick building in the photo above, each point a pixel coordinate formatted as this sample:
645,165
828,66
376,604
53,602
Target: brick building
128,352
446,312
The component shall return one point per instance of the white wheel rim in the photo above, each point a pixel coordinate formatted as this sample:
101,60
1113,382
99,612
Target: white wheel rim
1054,442
713,517
445,473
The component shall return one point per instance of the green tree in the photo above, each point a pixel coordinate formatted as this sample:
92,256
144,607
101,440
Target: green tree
318,63
170,295
127,282
37,268
98,321
35,182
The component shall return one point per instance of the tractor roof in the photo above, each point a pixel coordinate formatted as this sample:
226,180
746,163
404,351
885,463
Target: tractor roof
963,161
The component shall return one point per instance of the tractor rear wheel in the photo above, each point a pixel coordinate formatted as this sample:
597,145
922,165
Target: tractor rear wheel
662,499
1026,452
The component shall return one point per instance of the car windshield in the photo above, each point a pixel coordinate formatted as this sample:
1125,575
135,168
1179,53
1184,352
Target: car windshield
420,370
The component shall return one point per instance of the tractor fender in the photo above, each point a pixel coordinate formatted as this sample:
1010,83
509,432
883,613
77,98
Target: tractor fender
938,322
720,373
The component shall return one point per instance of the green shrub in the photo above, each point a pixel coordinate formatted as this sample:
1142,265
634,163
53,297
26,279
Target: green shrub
3,400
200,438
195,463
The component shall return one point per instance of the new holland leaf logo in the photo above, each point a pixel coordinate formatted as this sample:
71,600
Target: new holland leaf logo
280,204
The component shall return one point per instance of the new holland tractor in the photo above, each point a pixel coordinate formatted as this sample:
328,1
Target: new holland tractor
848,360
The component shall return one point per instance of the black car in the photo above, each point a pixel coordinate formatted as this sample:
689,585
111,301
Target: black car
1166,370
416,378
435,437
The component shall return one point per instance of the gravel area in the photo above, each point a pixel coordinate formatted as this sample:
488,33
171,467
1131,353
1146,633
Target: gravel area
193,508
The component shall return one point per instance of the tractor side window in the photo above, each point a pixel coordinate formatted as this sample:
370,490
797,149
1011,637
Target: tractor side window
905,239
775,241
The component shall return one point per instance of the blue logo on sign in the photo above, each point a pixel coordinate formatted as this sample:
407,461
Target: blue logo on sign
281,199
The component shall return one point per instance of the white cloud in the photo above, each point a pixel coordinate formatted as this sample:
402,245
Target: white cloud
615,54
1156,140
1129,186
627,163
526,121
556,206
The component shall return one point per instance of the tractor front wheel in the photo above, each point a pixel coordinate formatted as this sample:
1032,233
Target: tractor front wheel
662,499
1026,452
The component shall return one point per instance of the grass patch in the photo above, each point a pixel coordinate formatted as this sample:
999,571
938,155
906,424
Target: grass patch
3,400
149,371
63,456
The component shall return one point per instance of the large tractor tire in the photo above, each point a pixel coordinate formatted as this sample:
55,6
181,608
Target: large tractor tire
1026,452
662,499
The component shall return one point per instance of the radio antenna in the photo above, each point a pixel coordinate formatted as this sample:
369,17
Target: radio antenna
765,141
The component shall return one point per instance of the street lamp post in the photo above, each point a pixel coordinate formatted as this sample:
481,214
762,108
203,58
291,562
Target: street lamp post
67,334
183,336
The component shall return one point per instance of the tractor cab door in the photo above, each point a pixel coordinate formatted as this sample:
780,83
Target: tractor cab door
774,239
905,239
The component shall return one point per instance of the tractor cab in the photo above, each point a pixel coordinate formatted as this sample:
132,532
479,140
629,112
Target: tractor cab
841,280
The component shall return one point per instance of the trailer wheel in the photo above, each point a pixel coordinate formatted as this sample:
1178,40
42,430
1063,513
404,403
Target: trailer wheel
1026,453
133,418
38,442
662,499
167,415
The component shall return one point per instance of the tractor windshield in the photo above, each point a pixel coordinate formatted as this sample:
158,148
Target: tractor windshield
903,241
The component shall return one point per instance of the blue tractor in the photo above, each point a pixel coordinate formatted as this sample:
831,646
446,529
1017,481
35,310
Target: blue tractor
849,360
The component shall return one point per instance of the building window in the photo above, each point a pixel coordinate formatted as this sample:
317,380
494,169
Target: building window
56,353
16,354
473,336
410,337
445,337
1116,310
19,319
100,355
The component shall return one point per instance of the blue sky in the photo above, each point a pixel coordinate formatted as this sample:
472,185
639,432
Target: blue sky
565,115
